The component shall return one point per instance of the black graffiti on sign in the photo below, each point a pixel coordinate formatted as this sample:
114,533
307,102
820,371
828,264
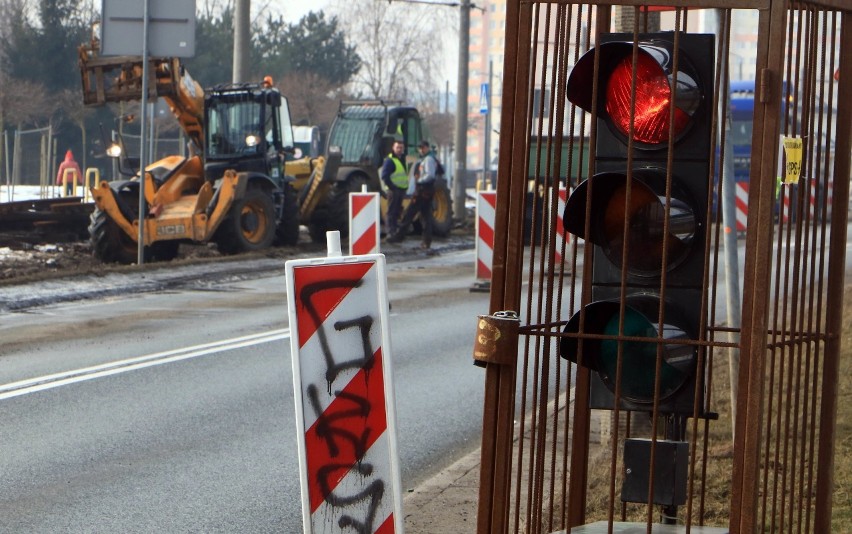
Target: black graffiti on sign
335,429
365,323
330,430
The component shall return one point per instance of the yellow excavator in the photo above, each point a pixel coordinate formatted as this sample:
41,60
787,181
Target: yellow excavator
230,190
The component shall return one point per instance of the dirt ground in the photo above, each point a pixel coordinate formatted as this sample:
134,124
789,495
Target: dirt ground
23,261
25,257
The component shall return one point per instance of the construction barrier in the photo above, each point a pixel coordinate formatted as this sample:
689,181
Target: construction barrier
70,177
562,240
93,178
342,377
364,223
742,205
816,198
486,204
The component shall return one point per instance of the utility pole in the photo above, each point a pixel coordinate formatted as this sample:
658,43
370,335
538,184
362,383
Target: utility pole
143,154
486,140
461,113
242,39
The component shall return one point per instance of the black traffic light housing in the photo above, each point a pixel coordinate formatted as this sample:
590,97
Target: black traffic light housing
666,209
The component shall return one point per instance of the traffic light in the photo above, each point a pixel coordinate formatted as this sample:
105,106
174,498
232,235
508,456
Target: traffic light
646,216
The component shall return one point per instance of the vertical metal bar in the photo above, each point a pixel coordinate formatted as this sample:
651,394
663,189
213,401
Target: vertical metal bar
827,178
557,118
812,279
493,509
582,424
744,494
580,39
836,274
536,228
778,350
544,283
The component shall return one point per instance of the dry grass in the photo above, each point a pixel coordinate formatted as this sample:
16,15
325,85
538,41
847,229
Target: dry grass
716,506
842,516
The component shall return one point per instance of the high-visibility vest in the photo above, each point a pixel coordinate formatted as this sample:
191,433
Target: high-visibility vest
399,177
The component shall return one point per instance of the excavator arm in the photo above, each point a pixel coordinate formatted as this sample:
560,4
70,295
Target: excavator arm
119,79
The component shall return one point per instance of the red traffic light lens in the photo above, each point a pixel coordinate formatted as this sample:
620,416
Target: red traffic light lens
653,101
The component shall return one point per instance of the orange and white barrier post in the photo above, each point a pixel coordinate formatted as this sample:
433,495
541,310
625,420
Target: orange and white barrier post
364,223
342,377
486,210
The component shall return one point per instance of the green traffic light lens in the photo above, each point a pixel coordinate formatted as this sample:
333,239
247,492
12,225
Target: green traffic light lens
640,358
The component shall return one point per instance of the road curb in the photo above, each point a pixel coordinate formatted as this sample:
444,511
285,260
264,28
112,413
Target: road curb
447,502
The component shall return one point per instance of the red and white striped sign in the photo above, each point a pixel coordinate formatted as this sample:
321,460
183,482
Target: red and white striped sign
342,379
560,235
364,223
486,210
742,205
816,198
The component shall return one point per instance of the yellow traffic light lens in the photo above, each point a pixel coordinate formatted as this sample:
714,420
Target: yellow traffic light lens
645,233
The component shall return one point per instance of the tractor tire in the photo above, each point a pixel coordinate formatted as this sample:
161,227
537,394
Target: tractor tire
287,231
442,212
337,204
111,245
109,242
318,229
250,224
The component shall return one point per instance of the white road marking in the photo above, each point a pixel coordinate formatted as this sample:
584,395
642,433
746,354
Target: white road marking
41,383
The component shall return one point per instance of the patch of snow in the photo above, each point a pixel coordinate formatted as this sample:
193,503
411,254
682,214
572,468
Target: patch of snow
17,193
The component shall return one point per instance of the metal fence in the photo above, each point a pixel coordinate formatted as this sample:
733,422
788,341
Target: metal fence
642,388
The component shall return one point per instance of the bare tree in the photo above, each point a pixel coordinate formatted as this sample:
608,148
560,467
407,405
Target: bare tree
400,45
312,99
70,104
10,11
25,102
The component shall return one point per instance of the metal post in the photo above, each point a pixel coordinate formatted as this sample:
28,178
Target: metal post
461,112
6,161
16,158
155,134
242,33
143,153
486,158
729,219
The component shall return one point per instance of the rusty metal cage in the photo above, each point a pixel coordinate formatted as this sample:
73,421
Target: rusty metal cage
758,435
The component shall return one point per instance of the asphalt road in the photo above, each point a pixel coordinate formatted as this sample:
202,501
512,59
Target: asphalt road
193,429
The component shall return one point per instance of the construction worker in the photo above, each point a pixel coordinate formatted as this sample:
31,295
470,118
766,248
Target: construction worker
395,178
428,170
75,175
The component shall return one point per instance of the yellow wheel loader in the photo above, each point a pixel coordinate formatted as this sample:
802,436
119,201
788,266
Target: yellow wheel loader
230,190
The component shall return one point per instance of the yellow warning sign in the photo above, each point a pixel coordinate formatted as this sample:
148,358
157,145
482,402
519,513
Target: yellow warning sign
793,155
